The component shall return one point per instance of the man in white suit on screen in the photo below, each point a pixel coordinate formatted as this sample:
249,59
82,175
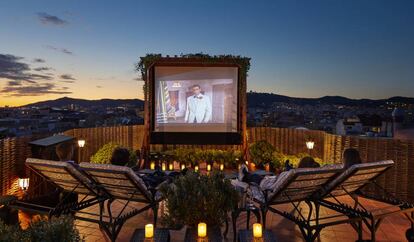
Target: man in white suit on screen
198,107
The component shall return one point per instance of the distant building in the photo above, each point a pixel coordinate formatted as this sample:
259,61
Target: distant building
401,131
364,125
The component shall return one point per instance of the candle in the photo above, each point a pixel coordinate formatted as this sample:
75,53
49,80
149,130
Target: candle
23,183
163,166
171,166
182,166
149,231
196,168
152,166
202,230
208,167
221,167
257,230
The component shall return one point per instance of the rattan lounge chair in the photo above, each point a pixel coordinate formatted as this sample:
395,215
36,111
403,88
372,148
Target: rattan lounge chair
69,178
351,183
122,183
294,187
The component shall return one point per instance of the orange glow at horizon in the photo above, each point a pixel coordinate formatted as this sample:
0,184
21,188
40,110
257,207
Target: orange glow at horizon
86,91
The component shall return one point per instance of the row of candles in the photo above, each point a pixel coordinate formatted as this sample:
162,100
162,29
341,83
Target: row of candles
202,230
182,166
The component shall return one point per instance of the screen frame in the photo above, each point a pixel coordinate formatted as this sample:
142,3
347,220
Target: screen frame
199,138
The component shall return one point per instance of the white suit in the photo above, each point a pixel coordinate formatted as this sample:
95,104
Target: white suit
198,109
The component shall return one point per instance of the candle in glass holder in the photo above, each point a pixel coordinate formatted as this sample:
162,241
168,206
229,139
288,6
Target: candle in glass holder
149,231
202,230
23,183
257,230
196,168
171,166
152,166
182,166
221,167
208,167
163,166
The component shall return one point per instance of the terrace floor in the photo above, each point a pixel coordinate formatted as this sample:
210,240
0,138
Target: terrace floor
392,229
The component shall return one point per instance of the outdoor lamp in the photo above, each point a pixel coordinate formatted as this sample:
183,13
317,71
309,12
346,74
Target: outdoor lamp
81,143
24,183
149,231
310,145
257,230
202,230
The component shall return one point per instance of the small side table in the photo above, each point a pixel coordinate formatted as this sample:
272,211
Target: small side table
247,236
160,235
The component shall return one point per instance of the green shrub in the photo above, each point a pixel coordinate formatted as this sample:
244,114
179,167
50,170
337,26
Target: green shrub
57,229
60,229
197,198
261,152
295,159
11,233
104,154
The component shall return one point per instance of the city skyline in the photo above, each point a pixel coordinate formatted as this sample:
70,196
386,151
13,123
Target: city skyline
88,50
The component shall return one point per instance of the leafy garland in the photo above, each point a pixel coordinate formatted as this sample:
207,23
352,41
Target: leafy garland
146,61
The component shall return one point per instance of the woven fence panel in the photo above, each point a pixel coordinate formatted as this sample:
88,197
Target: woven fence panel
128,136
289,141
399,180
13,153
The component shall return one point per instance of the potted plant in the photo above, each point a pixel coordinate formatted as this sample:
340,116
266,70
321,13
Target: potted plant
195,198
209,156
235,159
40,230
276,163
261,152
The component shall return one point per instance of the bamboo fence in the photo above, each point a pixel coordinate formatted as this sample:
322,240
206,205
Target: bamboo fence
399,180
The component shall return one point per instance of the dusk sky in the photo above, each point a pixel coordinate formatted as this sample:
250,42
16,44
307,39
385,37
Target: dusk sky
87,49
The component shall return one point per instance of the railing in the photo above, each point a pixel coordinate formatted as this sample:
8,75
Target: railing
399,180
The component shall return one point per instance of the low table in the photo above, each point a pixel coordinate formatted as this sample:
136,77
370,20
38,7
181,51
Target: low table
160,235
247,236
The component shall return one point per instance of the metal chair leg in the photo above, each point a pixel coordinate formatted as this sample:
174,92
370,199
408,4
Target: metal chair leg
264,212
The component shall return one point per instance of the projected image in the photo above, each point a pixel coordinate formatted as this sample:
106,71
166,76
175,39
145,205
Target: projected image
195,99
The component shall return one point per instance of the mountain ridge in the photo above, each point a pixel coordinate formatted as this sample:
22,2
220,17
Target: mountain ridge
253,99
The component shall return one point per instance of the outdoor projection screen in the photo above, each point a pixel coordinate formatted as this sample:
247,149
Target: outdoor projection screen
195,100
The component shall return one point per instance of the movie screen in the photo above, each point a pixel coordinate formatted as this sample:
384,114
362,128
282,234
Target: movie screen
195,99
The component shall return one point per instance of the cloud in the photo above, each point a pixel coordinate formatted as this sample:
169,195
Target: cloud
14,83
43,68
12,67
48,19
98,86
62,50
37,89
21,81
38,60
67,77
